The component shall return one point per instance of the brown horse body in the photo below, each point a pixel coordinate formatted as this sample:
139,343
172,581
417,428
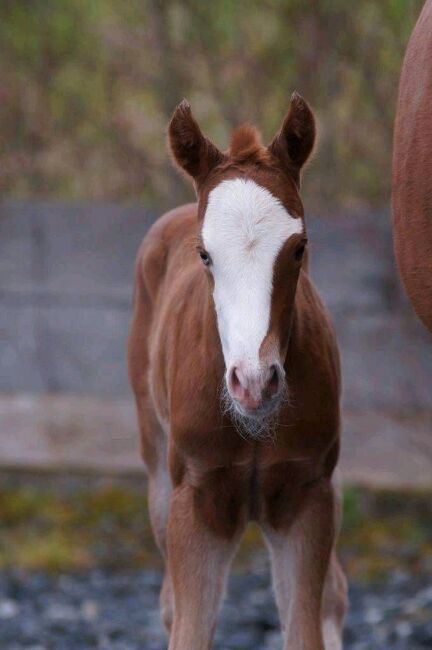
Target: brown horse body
208,474
412,169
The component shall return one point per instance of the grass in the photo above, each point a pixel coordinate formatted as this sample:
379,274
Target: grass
42,527
386,530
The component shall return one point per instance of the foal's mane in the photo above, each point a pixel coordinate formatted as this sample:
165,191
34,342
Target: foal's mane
246,145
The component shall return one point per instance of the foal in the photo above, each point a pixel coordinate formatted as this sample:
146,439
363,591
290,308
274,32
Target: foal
223,300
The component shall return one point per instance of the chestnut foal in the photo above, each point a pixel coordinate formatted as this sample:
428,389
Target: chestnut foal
223,300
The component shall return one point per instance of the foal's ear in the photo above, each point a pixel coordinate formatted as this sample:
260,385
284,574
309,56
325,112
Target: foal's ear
295,140
192,151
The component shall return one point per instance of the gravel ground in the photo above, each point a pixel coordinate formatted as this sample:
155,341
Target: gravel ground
119,611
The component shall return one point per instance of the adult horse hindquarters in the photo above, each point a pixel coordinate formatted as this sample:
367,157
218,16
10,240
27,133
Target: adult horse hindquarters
412,169
236,375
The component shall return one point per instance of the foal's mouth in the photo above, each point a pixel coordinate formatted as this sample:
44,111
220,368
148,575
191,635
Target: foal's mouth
266,409
257,423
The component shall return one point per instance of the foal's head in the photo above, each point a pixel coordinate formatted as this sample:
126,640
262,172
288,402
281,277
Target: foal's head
252,242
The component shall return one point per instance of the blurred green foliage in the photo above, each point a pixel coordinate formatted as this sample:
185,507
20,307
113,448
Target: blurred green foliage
58,530
86,89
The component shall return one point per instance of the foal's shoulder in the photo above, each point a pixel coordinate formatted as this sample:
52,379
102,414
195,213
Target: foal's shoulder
172,225
169,229
165,235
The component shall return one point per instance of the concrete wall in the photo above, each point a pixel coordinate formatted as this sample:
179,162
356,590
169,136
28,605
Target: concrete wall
66,274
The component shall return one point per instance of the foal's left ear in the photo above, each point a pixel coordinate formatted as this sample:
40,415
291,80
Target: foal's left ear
192,151
294,142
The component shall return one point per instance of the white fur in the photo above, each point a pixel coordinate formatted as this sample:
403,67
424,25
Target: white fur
244,229
332,635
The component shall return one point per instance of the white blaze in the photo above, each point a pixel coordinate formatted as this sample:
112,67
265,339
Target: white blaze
244,229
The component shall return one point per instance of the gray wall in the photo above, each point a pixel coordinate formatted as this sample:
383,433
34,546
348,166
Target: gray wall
66,274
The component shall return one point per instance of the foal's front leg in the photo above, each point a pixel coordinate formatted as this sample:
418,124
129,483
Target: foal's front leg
200,549
300,557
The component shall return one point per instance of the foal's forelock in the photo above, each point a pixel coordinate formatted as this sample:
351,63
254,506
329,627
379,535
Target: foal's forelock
244,229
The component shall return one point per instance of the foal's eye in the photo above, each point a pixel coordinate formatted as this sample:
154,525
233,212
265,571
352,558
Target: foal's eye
300,252
205,257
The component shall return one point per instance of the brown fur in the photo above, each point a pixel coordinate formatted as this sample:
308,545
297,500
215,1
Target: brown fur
218,480
246,146
412,169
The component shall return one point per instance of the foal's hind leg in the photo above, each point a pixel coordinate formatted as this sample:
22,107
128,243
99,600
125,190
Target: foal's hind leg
335,598
154,452
159,493
334,605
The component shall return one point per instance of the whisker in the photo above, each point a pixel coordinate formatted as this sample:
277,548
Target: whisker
263,429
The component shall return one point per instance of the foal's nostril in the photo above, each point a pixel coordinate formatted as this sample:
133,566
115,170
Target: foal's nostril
273,384
254,388
235,381
234,377
238,385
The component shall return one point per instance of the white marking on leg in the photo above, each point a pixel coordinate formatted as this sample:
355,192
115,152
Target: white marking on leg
332,635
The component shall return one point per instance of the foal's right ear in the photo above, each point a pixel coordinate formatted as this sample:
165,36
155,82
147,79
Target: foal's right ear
192,151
